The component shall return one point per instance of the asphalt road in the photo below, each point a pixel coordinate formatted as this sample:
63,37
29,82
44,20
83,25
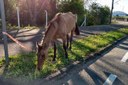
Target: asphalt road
29,37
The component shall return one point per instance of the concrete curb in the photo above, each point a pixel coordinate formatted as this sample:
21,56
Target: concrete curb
88,58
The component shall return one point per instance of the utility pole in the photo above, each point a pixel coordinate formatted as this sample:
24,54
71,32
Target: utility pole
111,11
4,30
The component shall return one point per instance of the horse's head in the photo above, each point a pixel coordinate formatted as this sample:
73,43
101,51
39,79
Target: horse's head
42,51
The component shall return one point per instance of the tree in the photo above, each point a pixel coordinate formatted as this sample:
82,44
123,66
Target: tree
104,15
98,14
75,6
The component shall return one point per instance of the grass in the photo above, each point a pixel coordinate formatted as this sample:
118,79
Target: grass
24,65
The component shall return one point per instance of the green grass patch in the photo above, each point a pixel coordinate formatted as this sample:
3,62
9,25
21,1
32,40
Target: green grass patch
24,65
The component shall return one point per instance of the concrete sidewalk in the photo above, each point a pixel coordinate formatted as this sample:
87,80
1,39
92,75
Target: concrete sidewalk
28,37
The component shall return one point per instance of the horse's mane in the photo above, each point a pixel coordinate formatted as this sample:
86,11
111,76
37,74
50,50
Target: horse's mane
56,18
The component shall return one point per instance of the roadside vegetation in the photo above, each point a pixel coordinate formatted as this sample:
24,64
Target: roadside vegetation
98,15
95,13
24,65
75,6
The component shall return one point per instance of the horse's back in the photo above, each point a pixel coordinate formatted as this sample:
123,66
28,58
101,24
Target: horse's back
64,23
67,22
69,18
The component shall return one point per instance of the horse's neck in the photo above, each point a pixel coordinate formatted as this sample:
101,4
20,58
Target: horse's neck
49,36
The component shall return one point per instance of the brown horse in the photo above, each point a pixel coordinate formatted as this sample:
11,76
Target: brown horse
61,26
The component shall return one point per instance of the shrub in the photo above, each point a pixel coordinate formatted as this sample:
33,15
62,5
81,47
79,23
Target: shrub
97,15
75,6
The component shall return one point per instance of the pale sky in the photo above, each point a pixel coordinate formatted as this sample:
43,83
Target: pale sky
120,5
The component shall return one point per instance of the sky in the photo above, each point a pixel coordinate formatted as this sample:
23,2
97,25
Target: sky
119,5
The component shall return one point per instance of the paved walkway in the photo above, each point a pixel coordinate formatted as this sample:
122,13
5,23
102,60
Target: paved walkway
29,37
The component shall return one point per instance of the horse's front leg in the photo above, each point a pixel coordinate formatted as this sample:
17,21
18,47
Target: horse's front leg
54,58
67,41
70,47
65,48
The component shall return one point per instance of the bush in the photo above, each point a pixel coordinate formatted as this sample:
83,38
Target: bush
98,15
75,6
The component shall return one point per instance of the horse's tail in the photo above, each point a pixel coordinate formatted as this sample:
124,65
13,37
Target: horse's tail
77,32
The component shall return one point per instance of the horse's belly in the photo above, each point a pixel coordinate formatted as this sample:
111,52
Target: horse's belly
60,35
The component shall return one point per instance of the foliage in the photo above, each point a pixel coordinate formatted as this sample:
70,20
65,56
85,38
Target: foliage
98,14
124,30
33,11
75,6
24,65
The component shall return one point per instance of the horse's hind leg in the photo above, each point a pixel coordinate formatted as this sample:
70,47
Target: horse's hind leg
65,48
54,58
